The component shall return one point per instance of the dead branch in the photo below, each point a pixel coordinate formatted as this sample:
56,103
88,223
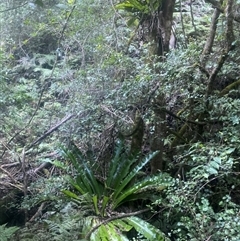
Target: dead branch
54,128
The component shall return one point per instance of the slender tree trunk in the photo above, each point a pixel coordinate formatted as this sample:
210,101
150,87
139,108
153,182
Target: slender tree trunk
160,133
209,43
165,17
229,38
159,27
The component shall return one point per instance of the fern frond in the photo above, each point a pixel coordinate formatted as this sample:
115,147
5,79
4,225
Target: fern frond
158,183
132,174
119,166
7,232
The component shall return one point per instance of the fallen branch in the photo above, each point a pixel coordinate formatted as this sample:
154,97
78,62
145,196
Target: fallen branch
54,128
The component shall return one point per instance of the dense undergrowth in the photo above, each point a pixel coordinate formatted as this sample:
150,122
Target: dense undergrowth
87,110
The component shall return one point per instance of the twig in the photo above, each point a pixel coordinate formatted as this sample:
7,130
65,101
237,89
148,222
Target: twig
8,174
192,17
13,8
38,213
65,24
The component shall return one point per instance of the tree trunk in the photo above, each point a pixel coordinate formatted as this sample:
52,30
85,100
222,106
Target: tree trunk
165,17
160,133
159,26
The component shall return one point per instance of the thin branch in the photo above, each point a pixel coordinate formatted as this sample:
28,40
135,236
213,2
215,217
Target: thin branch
65,24
218,5
192,18
25,180
54,128
39,212
8,174
13,8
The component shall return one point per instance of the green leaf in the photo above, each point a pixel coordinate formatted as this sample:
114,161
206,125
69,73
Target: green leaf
62,6
108,232
229,151
70,194
132,174
133,21
104,204
212,171
132,6
95,203
86,179
217,159
58,164
122,225
158,183
78,186
146,229
215,164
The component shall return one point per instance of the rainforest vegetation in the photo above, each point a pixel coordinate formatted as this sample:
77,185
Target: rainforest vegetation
120,120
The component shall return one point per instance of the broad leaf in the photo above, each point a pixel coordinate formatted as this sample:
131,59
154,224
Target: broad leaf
132,174
106,233
146,229
158,183
119,167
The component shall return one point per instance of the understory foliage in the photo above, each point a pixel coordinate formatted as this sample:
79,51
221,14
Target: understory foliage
7,232
105,197
151,141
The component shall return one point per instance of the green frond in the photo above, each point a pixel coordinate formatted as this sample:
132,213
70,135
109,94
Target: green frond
106,233
95,204
132,175
70,194
128,6
157,183
6,233
91,181
86,181
105,201
122,225
119,166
